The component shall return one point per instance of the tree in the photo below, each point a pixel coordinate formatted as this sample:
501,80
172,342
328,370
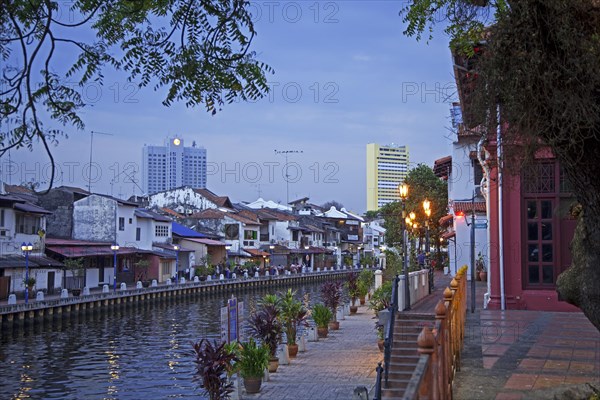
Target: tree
423,184
326,206
196,51
542,67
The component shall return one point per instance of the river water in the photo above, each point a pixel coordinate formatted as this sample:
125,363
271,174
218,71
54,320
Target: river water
136,353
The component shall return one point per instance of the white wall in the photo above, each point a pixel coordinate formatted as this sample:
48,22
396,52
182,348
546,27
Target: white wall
461,183
126,237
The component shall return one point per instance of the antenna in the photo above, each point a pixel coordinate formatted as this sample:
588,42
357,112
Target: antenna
91,148
287,180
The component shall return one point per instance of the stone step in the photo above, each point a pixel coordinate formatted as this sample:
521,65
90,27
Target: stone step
399,376
402,366
392,394
404,359
404,351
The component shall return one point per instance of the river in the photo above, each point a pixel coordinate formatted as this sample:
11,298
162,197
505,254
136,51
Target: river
136,353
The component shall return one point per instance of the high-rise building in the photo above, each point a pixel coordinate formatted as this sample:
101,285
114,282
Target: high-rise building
173,165
387,167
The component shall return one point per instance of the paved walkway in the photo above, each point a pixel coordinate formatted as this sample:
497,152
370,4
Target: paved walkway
330,368
516,355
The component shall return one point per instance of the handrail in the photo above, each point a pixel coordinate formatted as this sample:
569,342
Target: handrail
389,334
379,370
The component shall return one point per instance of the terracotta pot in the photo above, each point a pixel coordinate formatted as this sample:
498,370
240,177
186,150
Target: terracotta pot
334,325
292,350
483,276
380,344
273,364
322,332
362,301
252,385
353,309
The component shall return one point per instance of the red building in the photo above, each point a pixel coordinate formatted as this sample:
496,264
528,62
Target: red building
530,221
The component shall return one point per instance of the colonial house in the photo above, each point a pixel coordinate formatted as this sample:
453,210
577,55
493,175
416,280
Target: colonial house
350,233
202,249
373,239
22,222
530,225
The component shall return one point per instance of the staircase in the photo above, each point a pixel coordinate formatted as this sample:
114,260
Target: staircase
404,352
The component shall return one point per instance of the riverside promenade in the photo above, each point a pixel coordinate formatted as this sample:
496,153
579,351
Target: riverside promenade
330,368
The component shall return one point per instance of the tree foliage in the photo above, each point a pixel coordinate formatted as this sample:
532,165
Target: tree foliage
541,67
423,184
192,51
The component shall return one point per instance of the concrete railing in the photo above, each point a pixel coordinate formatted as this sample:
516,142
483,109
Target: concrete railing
418,287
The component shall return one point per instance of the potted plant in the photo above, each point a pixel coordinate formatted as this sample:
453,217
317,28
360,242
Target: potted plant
365,279
141,271
214,364
75,265
353,291
253,359
480,267
293,314
322,316
382,297
266,326
331,293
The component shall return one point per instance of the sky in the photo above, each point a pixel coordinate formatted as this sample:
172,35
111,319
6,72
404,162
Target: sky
345,76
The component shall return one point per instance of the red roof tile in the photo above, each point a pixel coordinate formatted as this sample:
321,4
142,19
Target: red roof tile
467,206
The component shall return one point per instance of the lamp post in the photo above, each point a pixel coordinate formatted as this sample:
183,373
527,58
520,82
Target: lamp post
26,248
427,209
307,258
176,248
403,192
271,248
114,248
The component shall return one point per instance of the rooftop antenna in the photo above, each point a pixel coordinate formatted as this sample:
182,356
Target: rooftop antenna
91,151
287,180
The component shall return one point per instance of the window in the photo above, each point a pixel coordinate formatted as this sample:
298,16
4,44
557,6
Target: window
295,236
1,217
547,226
161,230
28,224
121,223
130,221
138,234
250,235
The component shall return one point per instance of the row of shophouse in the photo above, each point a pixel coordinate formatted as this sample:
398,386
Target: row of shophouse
79,239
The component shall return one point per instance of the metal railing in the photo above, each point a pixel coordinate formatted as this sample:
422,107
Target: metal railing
389,334
379,370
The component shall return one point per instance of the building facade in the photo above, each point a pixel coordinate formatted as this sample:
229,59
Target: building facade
173,165
387,167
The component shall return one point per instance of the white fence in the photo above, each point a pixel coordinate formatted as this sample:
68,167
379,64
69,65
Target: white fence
418,284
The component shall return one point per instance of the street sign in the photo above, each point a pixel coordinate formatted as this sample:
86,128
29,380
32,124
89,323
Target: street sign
481,225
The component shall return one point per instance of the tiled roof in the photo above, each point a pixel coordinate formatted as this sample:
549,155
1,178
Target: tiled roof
171,212
221,201
242,219
81,251
30,208
209,242
72,242
446,219
144,213
467,206
209,213
442,167
256,252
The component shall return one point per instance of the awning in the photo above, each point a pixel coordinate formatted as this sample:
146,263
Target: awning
446,220
76,251
208,242
256,253
448,235
18,261
467,206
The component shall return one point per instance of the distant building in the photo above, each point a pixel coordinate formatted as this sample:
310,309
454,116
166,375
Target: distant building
387,167
173,165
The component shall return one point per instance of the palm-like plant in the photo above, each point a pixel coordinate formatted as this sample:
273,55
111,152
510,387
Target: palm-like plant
214,363
266,326
353,288
331,293
293,314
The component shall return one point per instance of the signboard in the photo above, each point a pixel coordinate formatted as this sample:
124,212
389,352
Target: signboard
232,320
481,225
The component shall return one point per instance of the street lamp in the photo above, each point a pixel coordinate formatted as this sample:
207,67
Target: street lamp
307,258
114,248
176,248
427,209
271,248
403,192
26,248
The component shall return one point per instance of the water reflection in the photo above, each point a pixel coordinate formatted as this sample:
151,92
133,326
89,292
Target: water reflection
132,353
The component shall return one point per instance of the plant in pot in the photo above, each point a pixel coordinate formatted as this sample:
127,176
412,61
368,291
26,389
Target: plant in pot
75,265
266,326
353,291
215,363
480,267
293,314
365,279
141,271
331,293
322,316
253,359
382,297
